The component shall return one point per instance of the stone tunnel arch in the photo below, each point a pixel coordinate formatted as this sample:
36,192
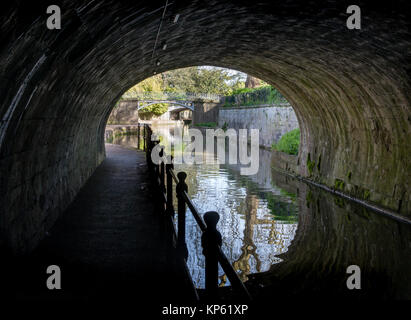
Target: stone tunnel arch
350,90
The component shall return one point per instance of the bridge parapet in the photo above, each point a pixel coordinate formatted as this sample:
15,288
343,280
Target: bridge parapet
180,104
173,96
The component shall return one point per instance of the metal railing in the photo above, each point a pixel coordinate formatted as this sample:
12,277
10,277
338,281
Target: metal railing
165,179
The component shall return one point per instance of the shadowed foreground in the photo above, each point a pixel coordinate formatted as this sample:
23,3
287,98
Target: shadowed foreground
109,244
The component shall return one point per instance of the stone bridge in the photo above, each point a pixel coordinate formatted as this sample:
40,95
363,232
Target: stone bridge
175,105
350,90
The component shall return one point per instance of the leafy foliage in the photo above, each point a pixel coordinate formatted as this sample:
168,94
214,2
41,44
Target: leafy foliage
289,142
211,80
157,109
254,96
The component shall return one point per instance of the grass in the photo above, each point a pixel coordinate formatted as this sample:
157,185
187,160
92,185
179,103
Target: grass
289,142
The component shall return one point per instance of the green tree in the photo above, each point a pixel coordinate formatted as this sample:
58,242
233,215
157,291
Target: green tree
211,80
157,109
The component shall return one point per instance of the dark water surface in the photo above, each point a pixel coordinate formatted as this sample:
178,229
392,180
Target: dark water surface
286,238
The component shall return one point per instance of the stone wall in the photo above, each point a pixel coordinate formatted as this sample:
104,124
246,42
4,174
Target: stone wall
125,112
205,112
284,161
272,122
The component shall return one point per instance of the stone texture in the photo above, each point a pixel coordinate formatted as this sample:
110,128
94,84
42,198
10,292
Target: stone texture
284,161
350,89
124,113
272,122
205,112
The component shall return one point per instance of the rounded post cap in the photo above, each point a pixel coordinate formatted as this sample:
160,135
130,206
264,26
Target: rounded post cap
181,176
211,219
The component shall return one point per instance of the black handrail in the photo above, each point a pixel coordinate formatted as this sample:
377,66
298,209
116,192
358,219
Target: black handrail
164,176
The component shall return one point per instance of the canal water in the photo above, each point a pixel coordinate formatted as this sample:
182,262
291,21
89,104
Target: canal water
281,233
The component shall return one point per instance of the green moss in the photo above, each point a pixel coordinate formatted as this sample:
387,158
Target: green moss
225,126
308,198
319,163
310,164
339,184
339,202
206,124
366,194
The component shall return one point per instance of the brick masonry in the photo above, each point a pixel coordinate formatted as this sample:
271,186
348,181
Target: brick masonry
350,90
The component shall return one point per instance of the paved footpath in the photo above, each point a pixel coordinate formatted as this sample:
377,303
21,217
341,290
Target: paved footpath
109,243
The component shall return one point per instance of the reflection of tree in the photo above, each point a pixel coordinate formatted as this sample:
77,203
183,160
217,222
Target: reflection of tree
240,201
282,211
249,208
248,248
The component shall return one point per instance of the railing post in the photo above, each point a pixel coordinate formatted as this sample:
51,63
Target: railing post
162,171
210,239
181,238
153,144
138,136
169,167
145,138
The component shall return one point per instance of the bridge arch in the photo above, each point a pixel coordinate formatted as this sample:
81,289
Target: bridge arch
188,106
350,90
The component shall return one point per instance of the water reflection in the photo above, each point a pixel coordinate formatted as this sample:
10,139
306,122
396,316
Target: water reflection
129,141
257,220
290,239
252,236
332,234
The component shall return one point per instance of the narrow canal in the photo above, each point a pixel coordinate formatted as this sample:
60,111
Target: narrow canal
279,231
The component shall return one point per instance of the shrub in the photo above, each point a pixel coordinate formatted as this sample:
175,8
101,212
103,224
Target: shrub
289,142
256,96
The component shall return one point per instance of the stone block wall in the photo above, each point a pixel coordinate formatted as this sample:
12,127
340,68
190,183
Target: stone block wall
205,112
125,112
272,122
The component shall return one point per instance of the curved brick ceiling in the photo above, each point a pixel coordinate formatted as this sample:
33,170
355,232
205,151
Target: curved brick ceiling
350,89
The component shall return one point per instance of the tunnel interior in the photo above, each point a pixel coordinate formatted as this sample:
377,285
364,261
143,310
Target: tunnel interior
349,88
